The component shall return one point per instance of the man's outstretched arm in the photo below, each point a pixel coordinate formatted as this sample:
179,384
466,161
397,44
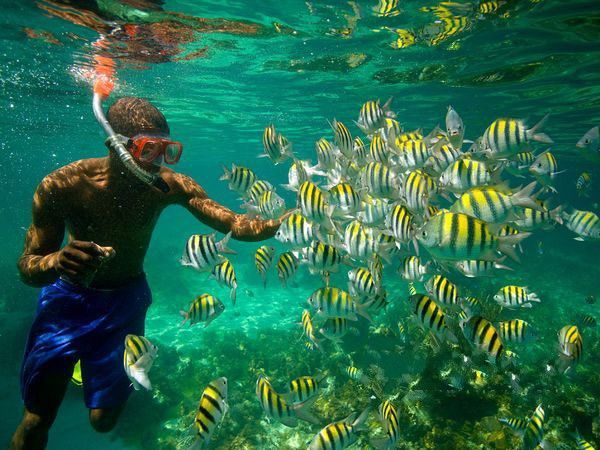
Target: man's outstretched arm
189,194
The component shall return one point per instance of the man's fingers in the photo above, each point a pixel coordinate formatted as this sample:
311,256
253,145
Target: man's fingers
88,247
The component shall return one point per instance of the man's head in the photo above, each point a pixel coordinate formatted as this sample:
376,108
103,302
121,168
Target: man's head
147,130
132,116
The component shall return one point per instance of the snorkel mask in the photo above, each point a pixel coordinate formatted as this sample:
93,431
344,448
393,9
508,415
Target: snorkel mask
103,86
155,149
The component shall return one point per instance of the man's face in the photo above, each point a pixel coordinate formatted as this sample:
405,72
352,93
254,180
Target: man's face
151,150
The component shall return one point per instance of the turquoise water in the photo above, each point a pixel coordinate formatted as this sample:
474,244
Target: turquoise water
304,64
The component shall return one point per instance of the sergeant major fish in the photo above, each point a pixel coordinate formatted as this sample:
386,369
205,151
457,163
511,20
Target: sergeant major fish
138,358
211,410
202,253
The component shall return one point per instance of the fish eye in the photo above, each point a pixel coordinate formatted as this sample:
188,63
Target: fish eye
424,233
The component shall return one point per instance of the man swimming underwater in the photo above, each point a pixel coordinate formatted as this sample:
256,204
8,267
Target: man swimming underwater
105,210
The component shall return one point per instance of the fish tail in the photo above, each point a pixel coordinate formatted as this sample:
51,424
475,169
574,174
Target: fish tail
539,137
226,174
525,198
360,420
233,295
185,316
303,413
361,310
222,245
381,444
506,244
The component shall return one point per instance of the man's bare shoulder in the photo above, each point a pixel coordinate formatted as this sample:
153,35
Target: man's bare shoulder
72,175
181,185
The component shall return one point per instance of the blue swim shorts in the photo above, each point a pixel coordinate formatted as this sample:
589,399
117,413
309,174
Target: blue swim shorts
74,322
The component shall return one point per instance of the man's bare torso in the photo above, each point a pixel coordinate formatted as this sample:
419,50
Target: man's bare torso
118,213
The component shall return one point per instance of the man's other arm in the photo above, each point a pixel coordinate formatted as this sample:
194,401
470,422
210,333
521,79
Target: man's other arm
189,194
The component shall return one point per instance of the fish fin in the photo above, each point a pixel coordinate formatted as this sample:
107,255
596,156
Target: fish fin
139,376
303,413
289,187
360,420
579,238
361,310
291,422
539,137
185,316
525,198
506,243
233,295
222,245
226,174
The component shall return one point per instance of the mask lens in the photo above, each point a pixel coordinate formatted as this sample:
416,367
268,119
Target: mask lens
172,152
149,151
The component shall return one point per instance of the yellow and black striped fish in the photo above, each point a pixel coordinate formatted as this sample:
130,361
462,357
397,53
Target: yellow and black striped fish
412,154
417,189
450,26
482,334
342,138
386,8
286,267
338,435
570,342
585,224
515,330
516,296
345,198
404,38
257,189
326,154
322,257
429,313
138,358
442,155
534,432
240,178
225,273
489,6
376,268
295,230
505,137
263,258
476,268
411,269
442,290
311,202
308,328
277,408
378,150
361,283
277,148
211,409
334,302
516,424
359,241
303,388
388,416
204,308
360,151
356,374
582,444
583,184
457,236
379,180
334,328
202,252
533,219
372,116
374,210
464,174
493,206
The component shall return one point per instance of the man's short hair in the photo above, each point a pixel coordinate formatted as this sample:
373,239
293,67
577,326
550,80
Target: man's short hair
131,116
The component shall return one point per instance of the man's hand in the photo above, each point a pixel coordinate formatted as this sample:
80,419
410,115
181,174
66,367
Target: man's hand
78,260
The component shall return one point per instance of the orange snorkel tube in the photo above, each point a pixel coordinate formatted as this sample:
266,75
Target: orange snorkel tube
103,86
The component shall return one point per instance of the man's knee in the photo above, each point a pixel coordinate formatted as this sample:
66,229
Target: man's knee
34,422
104,420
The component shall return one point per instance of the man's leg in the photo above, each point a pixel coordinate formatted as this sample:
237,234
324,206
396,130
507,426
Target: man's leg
32,432
104,419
